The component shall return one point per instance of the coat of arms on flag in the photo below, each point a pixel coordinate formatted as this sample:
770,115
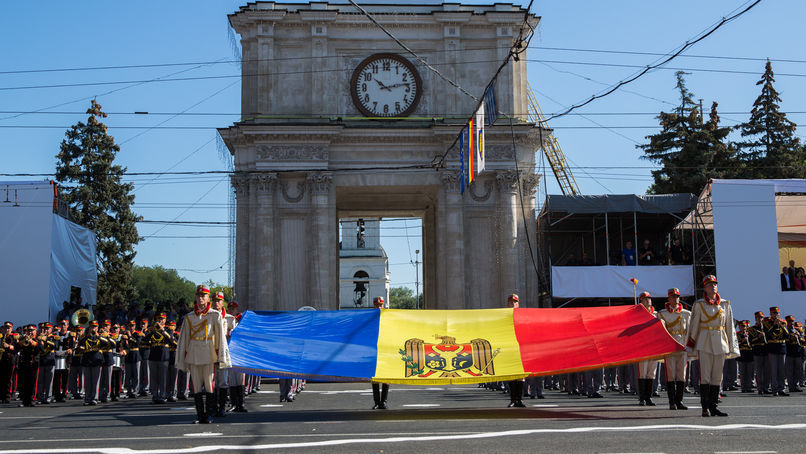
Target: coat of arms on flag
448,358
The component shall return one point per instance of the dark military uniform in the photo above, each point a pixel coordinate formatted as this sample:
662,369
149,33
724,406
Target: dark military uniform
117,371
47,364
28,349
745,361
131,363
144,355
60,375
105,381
92,360
8,355
777,334
173,372
758,341
75,377
794,359
159,342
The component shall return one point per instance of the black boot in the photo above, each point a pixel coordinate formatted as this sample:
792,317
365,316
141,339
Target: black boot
714,401
680,388
201,413
648,383
384,395
376,395
671,393
641,392
705,397
210,404
239,395
221,408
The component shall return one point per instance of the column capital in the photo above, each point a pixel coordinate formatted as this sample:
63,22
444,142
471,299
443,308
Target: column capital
320,183
529,184
450,181
263,183
507,181
240,183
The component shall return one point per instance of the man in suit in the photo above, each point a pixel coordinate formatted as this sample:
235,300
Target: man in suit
786,280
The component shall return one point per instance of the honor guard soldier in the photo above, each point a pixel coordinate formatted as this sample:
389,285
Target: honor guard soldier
711,335
131,362
144,355
676,320
646,369
794,355
108,353
515,386
7,356
777,334
64,349
380,391
159,342
758,340
202,344
118,353
235,379
745,356
170,389
75,377
27,348
221,374
47,363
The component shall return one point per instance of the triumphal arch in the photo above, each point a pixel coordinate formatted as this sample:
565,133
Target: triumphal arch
338,122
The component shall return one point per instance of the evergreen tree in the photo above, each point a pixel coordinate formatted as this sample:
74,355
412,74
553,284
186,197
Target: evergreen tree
770,148
689,150
91,185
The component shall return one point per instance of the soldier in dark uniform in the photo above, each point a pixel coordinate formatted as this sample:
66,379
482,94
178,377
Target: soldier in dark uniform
777,334
159,342
144,355
8,355
117,366
90,346
64,348
758,341
75,377
745,357
794,355
173,372
47,363
27,348
108,352
131,362
515,386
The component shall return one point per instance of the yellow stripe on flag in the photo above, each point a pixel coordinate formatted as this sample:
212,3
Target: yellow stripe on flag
456,346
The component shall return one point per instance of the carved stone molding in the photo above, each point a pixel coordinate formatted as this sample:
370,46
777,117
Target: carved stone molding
498,152
507,181
450,180
264,183
240,183
300,191
293,152
488,189
320,183
529,184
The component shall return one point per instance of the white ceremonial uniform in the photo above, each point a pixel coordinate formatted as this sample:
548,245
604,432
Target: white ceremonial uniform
712,334
234,378
202,345
648,369
222,371
677,326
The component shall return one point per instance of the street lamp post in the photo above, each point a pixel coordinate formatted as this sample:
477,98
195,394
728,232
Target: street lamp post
416,279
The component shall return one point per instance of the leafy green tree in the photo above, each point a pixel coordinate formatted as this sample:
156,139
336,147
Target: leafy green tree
92,186
403,298
215,288
157,284
689,150
770,148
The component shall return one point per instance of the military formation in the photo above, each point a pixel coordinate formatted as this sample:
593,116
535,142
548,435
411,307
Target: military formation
100,361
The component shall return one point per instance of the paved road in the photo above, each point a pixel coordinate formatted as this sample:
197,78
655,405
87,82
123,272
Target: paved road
335,418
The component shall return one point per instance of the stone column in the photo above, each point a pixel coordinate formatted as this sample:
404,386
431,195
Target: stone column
324,279
264,288
240,184
529,277
508,233
452,244
264,66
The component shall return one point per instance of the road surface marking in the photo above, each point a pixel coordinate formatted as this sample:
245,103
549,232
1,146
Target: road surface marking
421,405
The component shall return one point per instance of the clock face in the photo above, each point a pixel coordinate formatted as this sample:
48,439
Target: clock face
385,85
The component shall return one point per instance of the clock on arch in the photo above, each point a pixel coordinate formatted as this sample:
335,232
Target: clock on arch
386,85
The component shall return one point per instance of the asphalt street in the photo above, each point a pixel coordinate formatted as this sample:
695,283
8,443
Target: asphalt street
336,418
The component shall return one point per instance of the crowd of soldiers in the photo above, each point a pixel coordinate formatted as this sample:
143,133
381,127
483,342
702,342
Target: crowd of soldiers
98,362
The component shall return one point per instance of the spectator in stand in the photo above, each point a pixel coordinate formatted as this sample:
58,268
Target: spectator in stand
628,254
572,260
646,255
786,282
676,254
586,260
800,279
65,313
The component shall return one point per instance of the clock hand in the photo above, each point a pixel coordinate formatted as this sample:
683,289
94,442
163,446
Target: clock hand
383,87
397,85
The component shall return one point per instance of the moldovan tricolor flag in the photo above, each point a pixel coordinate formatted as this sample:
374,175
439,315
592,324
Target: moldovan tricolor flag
470,152
479,139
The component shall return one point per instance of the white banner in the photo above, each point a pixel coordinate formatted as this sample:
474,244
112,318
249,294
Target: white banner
614,281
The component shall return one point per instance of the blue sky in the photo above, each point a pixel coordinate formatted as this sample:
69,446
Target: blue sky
54,34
